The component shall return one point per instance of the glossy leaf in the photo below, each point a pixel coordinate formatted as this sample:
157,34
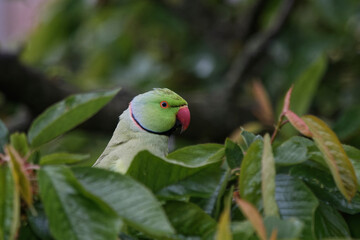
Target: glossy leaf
9,204
323,186
134,203
268,179
212,205
354,156
164,176
39,222
306,85
189,220
63,158
20,144
330,224
295,200
66,114
292,151
73,212
201,184
4,133
248,138
233,153
21,177
338,162
252,214
286,228
197,155
250,174
242,230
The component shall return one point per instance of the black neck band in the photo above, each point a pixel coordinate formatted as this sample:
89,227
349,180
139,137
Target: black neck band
166,133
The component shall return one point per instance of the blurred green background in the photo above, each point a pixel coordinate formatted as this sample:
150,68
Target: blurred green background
233,60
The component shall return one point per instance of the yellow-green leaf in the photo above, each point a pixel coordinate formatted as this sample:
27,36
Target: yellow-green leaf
223,229
20,176
338,162
9,204
268,179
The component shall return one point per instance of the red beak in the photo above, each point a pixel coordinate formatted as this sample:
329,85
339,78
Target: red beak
183,116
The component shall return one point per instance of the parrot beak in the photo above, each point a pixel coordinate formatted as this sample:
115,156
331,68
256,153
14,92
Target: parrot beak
183,116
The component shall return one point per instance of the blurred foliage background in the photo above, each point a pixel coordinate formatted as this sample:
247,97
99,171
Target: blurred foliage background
233,60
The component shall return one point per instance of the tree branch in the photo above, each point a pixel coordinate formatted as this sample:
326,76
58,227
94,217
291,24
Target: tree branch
209,119
252,51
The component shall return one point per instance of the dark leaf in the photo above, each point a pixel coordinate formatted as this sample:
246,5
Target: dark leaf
329,223
295,199
134,203
73,212
189,220
323,186
233,153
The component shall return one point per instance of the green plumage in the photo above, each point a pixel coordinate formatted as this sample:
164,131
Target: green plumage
142,127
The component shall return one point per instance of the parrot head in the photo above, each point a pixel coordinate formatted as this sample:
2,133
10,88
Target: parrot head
160,111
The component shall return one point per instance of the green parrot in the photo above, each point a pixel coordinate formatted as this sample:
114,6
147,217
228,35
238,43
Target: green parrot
145,125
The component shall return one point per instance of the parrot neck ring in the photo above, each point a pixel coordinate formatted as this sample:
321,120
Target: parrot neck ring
166,133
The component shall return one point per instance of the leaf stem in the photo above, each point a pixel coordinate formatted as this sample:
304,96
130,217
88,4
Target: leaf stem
279,124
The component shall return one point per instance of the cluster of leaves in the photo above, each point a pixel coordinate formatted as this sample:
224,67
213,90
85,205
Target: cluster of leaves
303,188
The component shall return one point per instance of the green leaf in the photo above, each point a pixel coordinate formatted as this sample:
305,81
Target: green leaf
295,200
197,155
354,156
20,175
189,220
248,138
224,228
39,222
9,204
19,142
348,124
63,158
212,205
165,176
323,186
4,134
73,212
268,179
134,203
202,184
306,85
66,114
291,152
250,174
330,224
338,162
233,153
286,228
242,230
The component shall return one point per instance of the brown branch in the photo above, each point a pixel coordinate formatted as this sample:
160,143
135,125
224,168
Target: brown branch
252,51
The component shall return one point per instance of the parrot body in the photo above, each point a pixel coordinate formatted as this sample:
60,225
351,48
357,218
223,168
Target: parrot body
145,125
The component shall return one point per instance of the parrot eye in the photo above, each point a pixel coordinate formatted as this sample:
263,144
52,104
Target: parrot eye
164,104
